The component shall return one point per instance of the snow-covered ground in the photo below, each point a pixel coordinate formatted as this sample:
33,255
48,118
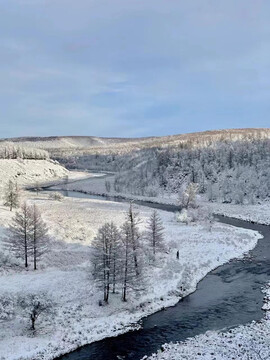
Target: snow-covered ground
244,342
259,213
65,276
97,186
29,171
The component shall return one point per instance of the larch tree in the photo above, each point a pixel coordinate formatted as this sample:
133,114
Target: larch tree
11,196
154,233
133,221
104,258
39,235
115,263
128,269
18,239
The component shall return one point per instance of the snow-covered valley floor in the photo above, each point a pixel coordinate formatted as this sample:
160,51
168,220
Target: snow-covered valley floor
258,213
245,342
65,276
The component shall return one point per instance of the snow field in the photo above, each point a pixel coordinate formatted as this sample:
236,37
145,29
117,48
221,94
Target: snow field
66,278
26,172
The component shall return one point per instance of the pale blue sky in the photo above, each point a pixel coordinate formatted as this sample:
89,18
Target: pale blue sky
133,67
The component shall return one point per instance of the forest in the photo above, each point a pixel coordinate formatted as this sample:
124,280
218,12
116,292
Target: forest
9,150
229,171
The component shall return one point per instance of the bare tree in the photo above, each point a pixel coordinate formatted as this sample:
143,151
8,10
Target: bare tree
108,185
65,182
39,232
133,221
115,238
154,233
128,269
189,195
35,305
11,196
38,188
18,239
105,257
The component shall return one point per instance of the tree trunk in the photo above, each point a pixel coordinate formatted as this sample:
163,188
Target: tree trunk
33,323
35,250
134,243
114,273
125,276
35,258
25,252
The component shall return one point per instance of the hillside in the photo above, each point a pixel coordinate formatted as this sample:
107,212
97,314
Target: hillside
26,172
83,145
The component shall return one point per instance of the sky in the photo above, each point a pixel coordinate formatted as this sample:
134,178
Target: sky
133,68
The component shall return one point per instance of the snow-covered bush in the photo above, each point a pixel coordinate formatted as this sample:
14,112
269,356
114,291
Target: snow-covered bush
199,214
34,305
56,196
7,307
183,216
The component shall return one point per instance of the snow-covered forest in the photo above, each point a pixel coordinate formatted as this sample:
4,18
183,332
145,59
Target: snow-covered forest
9,150
230,172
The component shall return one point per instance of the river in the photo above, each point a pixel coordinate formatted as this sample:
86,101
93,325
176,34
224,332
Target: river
228,296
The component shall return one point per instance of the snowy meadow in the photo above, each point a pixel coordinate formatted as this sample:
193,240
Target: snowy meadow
66,278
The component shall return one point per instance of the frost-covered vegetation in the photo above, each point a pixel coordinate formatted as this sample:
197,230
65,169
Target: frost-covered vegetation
96,275
65,279
68,146
25,172
230,172
10,150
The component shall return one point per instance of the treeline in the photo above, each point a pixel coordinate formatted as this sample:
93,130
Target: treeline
9,150
231,171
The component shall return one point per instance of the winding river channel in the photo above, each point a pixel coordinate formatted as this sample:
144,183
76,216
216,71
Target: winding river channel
228,296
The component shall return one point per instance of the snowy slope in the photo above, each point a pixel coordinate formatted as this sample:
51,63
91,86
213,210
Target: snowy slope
29,171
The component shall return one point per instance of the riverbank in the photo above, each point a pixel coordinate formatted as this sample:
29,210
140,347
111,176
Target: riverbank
103,186
65,276
257,213
250,341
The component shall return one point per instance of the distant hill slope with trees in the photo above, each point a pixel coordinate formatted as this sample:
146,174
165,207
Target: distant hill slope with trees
231,166
67,146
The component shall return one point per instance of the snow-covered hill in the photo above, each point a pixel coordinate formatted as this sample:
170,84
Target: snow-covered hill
78,145
26,172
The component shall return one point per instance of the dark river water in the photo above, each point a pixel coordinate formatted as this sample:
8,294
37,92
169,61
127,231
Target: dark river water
228,296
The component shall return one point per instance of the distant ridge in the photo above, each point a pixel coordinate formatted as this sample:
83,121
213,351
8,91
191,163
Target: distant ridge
78,145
